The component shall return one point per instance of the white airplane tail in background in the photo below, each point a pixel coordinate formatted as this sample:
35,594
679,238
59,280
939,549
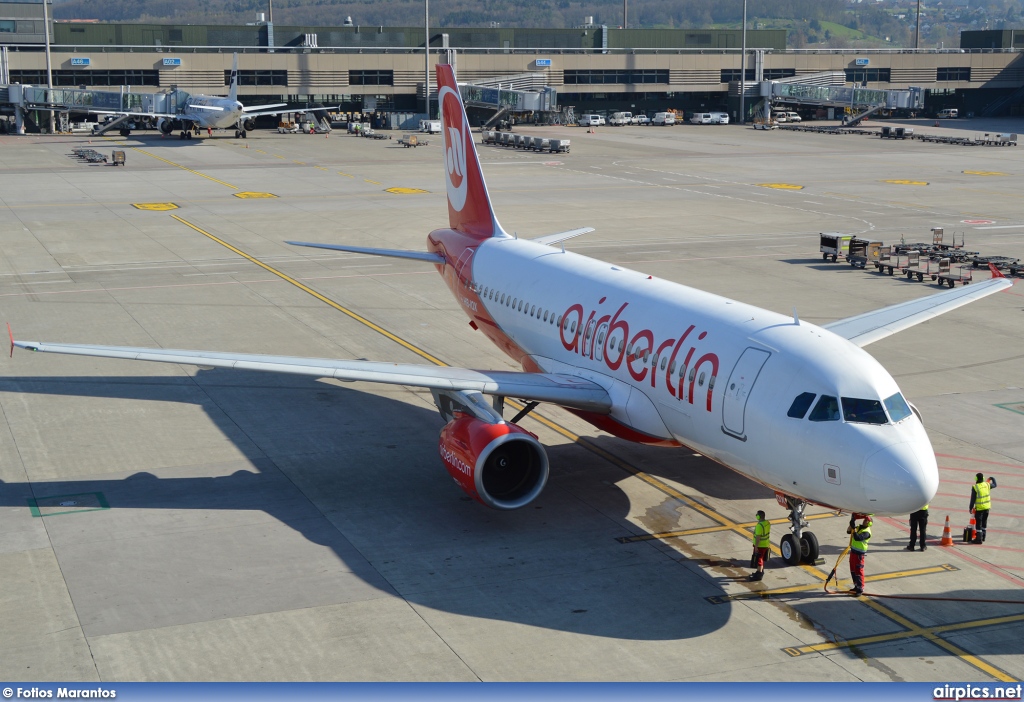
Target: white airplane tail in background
233,82
469,204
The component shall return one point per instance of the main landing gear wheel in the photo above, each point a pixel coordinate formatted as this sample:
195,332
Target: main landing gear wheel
182,135
125,132
809,547
238,134
245,135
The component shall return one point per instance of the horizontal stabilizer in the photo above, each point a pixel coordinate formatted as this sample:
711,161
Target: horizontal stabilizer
869,327
564,390
393,253
206,107
551,239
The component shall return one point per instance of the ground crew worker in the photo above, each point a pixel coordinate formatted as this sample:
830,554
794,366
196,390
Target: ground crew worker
981,503
859,537
918,520
762,543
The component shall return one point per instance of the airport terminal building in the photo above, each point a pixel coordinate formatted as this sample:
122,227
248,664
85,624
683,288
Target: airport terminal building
592,67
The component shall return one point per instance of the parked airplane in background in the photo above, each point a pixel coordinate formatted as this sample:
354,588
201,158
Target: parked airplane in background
209,112
800,408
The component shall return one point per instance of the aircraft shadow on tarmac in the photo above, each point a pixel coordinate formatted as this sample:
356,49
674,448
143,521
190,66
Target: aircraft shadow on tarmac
358,473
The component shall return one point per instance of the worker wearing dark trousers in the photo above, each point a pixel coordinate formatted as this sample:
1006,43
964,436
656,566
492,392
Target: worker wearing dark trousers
762,543
918,520
859,537
981,503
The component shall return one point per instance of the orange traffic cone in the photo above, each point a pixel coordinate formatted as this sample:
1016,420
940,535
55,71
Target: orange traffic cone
947,536
970,528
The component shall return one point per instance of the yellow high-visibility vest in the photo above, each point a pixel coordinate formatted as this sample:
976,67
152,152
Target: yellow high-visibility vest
762,534
861,546
983,496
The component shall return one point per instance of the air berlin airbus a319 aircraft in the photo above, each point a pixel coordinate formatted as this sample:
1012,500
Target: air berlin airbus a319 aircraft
798,407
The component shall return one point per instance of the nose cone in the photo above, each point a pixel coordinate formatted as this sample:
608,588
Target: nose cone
900,478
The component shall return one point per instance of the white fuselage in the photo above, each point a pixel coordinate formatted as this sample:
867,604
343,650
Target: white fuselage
742,368
224,112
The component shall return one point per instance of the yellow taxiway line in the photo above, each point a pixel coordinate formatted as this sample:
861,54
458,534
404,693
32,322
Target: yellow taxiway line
185,168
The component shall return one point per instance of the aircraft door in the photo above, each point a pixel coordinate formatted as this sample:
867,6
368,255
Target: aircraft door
602,332
737,390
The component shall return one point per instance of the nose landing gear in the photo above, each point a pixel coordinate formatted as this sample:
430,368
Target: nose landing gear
801,546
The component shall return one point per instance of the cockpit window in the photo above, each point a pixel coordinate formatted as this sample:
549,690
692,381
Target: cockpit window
827,410
898,407
800,405
864,411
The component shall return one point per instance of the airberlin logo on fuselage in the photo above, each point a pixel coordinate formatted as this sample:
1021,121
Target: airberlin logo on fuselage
454,461
608,337
454,147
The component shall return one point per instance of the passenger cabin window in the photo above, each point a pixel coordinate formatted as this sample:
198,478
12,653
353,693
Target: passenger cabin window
827,410
800,405
898,408
864,411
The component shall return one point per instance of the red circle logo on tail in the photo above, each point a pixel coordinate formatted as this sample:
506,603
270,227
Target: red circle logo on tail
455,150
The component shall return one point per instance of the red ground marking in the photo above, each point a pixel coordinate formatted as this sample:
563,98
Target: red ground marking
995,498
965,482
980,460
959,553
991,472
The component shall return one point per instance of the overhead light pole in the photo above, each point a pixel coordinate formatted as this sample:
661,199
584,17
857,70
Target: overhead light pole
743,68
49,72
426,56
917,33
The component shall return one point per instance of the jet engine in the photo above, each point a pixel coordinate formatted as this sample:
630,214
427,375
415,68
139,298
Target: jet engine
165,125
500,465
496,463
249,124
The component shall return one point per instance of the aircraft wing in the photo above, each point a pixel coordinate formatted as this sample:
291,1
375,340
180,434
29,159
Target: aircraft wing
252,111
869,327
565,390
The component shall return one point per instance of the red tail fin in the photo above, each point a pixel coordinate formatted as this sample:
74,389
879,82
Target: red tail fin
469,205
996,273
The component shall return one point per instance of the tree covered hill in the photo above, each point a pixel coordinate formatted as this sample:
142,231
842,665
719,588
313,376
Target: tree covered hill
809,22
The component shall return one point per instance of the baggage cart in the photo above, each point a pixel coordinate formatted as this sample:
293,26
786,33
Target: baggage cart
949,275
833,245
863,251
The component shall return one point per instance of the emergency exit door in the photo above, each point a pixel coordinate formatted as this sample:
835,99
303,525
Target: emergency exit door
737,391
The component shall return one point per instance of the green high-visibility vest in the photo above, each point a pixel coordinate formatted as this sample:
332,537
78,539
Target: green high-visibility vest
861,546
983,496
762,534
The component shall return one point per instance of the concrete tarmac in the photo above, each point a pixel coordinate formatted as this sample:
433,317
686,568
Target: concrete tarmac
165,522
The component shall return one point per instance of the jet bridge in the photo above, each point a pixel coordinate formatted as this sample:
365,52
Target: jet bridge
816,90
26,98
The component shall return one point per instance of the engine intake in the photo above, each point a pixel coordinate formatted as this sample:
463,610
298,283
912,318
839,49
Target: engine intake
500,465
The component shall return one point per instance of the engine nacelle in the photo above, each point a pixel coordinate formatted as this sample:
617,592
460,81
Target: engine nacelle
500,465
165,125
249,124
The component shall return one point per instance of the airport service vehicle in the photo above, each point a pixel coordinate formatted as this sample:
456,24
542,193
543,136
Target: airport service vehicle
663,119
642,120
948,113
719,117
430,126
798,407
620,119
200,112
591,121
700,118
